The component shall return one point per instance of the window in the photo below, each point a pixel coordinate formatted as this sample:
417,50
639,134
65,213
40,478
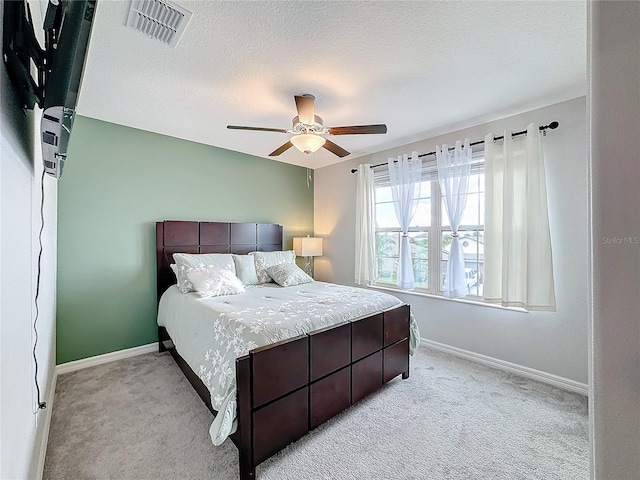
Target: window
430,233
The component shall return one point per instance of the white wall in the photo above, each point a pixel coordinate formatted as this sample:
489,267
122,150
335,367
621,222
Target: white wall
22,427
552,342
614,98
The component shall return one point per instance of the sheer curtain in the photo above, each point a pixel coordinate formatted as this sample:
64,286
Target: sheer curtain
518,263
365,226
404,174
454,169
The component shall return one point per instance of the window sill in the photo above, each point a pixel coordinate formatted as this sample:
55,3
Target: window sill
440,297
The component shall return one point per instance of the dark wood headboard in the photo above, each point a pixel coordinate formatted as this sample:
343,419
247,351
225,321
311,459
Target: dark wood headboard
174,236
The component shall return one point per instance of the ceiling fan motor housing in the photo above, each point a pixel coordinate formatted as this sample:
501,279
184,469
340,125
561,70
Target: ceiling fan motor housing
316,127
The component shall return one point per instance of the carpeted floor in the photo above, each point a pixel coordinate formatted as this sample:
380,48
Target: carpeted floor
452,419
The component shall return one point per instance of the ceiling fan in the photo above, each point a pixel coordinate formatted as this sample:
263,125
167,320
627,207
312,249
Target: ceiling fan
308,130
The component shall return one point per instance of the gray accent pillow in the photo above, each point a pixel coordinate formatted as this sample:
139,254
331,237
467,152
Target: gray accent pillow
185,262
264,260
246,269
288,275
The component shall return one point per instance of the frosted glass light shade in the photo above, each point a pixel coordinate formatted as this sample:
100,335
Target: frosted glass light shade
307,246
308,142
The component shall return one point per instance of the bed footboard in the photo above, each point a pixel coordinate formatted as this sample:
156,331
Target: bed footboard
289,388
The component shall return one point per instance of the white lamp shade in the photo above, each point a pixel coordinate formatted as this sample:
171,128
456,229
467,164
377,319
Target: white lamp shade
307,246
308,142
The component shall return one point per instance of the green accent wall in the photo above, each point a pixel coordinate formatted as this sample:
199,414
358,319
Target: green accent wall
118,181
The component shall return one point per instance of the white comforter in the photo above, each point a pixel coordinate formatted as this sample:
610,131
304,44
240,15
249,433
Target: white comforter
210,333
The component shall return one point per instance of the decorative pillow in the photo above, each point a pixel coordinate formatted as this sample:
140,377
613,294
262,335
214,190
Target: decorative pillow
246,269
188,261
288,275
264,260
212,282
174,269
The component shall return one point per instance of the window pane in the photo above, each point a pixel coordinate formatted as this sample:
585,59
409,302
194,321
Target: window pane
421,273
419,242
472,243
387,270
473,184
474,267
474,207
383,194
387,244
475,274
386,216
425,189
446,242
446,246
471,214
444,216
443,274
422,217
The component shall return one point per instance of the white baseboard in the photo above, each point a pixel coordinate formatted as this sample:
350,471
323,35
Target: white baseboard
527,372
106,358
44,440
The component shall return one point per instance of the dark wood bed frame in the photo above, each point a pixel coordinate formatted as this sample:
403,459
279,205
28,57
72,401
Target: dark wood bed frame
288,388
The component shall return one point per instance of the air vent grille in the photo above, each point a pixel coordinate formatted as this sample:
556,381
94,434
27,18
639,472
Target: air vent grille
159,19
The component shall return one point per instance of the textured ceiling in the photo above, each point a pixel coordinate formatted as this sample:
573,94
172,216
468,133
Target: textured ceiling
421,67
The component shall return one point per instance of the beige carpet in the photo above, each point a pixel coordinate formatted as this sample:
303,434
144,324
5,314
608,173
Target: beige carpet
452,419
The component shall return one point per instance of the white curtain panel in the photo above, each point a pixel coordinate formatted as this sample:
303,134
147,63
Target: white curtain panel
518,270
365,227
454,169
405,173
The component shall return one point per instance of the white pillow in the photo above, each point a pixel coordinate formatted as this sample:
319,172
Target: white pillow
188,261
288,275
212,282
264,260
246,269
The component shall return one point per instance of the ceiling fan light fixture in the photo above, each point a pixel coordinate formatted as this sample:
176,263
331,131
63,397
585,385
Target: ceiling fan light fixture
308,142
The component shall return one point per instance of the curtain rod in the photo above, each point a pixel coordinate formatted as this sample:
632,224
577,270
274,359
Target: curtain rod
552,126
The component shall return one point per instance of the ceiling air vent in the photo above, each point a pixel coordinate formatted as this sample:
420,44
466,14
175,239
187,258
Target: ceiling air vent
159,19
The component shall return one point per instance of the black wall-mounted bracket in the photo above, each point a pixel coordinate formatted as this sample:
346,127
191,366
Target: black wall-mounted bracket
22,53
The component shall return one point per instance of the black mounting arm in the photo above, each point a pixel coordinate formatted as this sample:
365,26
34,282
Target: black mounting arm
21,49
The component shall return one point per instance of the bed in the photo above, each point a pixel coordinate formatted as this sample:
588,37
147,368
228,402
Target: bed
279,391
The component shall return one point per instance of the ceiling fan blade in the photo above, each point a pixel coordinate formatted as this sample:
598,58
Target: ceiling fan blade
306,109
358,129
335,149
260,129
281,149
